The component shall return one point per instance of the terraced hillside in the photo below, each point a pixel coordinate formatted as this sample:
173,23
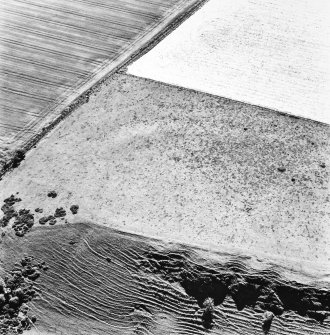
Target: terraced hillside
101,281
52,51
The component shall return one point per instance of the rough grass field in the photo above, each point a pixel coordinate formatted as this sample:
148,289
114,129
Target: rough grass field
174,163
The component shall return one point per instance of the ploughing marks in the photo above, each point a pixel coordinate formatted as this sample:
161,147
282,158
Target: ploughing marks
51,53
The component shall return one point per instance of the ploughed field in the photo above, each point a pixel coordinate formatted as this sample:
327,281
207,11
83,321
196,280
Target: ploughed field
52,51
86,279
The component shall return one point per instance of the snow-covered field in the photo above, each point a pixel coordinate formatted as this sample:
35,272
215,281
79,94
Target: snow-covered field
270,53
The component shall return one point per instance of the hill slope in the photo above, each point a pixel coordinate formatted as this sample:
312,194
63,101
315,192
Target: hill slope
101,281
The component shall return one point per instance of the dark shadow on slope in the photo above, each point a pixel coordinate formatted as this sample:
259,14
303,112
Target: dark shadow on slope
262,291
